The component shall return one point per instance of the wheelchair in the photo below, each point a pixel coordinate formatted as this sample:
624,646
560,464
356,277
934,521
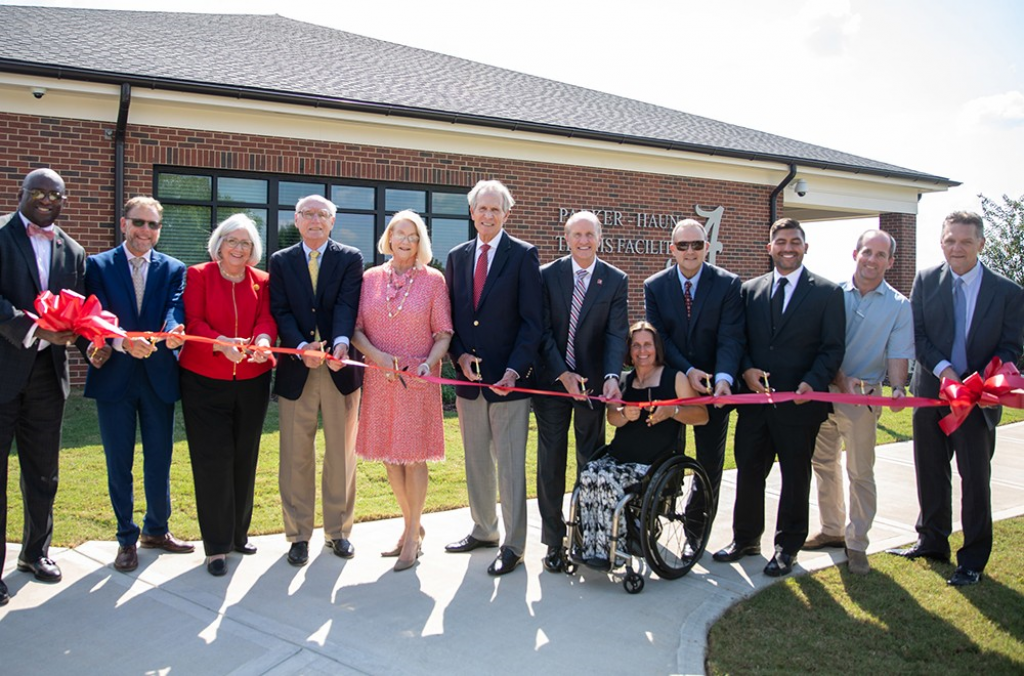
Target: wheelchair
668,517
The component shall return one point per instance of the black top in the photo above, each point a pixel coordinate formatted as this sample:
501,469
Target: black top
635,441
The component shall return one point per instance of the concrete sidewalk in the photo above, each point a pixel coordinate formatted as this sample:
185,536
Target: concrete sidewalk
446,615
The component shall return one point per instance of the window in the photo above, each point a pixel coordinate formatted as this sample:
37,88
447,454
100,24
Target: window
195,201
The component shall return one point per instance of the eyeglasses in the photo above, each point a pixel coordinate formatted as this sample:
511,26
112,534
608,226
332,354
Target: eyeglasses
310,214
142,223
243,244
52,195
411,239
683,246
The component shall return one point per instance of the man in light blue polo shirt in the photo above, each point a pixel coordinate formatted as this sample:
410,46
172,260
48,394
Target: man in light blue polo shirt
879,338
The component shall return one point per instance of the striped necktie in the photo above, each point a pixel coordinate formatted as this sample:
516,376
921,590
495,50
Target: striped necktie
578,292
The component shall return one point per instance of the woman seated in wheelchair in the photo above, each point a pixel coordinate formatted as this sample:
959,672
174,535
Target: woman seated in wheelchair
643,435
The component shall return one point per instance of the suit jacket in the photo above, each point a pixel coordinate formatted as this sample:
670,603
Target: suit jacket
108,276
600,329
712,340
300,312
808,345
506,330
19,287
997,327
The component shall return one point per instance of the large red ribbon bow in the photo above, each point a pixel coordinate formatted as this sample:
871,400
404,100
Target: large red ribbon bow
999,384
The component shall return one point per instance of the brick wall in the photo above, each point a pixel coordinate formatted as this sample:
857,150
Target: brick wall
903,227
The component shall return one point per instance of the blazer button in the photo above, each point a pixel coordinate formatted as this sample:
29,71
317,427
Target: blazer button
476,322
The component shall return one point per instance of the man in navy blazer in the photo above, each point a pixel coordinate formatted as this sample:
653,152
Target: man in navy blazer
35,255
597,351
990,324
703,337
318,316
495,288
795,342
135,381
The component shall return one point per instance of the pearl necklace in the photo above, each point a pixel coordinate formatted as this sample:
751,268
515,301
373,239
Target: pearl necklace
228,276
393,290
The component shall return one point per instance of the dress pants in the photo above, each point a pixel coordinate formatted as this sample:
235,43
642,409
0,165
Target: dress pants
33,418
553,417
759,438
855,428
495,434
223,422
140,406
297,473
710,442
973,444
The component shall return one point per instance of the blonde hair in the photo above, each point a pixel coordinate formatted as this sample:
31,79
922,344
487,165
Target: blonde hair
424,254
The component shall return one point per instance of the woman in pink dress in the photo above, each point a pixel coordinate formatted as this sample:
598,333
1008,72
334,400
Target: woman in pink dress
404,323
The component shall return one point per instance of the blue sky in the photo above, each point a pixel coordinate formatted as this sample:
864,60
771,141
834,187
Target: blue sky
934,86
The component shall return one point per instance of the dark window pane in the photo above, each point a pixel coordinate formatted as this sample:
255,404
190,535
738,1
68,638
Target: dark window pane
290,193
182,187
447,233
449,203
246,190
185,233
356,230
354,197
287,233
397,200
259,216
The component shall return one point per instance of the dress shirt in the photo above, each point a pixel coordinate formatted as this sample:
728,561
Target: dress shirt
972,286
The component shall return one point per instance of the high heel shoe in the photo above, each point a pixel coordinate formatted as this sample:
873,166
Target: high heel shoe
398,547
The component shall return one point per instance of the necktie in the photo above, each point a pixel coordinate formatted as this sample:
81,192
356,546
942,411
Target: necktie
959,356
778,302
314,274
578,292
34,230
138,280
480,275
688,298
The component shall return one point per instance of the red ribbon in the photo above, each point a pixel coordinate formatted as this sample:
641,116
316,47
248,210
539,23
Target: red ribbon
71,311
1001,384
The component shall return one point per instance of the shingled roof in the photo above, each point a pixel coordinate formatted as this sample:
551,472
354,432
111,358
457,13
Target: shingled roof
271,57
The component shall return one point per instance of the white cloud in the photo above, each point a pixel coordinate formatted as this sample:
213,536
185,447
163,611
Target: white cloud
830,26
1000,110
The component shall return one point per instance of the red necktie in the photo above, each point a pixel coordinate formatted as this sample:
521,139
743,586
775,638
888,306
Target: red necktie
480,275
34,230
688,297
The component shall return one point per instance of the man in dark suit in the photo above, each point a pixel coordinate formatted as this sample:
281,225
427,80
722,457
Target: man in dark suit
796,336
314,297
35,255
134,381
964,315
585,299
696,308
494,285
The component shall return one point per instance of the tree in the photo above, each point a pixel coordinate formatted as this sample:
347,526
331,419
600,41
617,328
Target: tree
1004,236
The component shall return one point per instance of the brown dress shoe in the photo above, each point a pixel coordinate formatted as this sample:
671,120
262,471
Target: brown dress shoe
857,562
823,540
166,542
127,559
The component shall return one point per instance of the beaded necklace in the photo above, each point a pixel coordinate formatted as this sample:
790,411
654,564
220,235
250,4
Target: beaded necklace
393,290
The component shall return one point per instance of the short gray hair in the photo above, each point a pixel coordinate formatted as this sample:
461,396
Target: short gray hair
583,216
424,254
328,204
230,225
483,187
689,223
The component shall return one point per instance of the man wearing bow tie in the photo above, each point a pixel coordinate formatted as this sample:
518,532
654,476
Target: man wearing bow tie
35,255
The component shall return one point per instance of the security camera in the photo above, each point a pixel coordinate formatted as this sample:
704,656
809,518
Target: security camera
38,92
801,188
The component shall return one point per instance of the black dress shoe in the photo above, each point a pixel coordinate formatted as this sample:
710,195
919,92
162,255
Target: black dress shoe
554,562
468,544
247,549
736,551
917,551
217,567
5,595
963,577
341,547
781,564
298,555
45,570
505,562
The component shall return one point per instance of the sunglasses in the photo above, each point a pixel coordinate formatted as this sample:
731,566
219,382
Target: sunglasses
698,245
142,223
53,195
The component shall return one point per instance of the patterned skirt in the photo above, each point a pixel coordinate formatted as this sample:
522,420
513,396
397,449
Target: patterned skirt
602,484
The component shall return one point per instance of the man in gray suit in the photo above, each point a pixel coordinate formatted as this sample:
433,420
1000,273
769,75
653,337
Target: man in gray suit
586,319
964,315
35,255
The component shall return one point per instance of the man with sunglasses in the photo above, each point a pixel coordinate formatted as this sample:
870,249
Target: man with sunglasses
134,380
35,255
696,308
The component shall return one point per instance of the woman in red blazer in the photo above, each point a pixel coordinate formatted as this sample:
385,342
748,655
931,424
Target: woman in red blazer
225,388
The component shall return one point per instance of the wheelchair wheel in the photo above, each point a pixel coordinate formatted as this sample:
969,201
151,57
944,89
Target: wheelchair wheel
676,517
633,583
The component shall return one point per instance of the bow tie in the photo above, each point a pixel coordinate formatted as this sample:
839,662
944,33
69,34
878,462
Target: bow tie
34,230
